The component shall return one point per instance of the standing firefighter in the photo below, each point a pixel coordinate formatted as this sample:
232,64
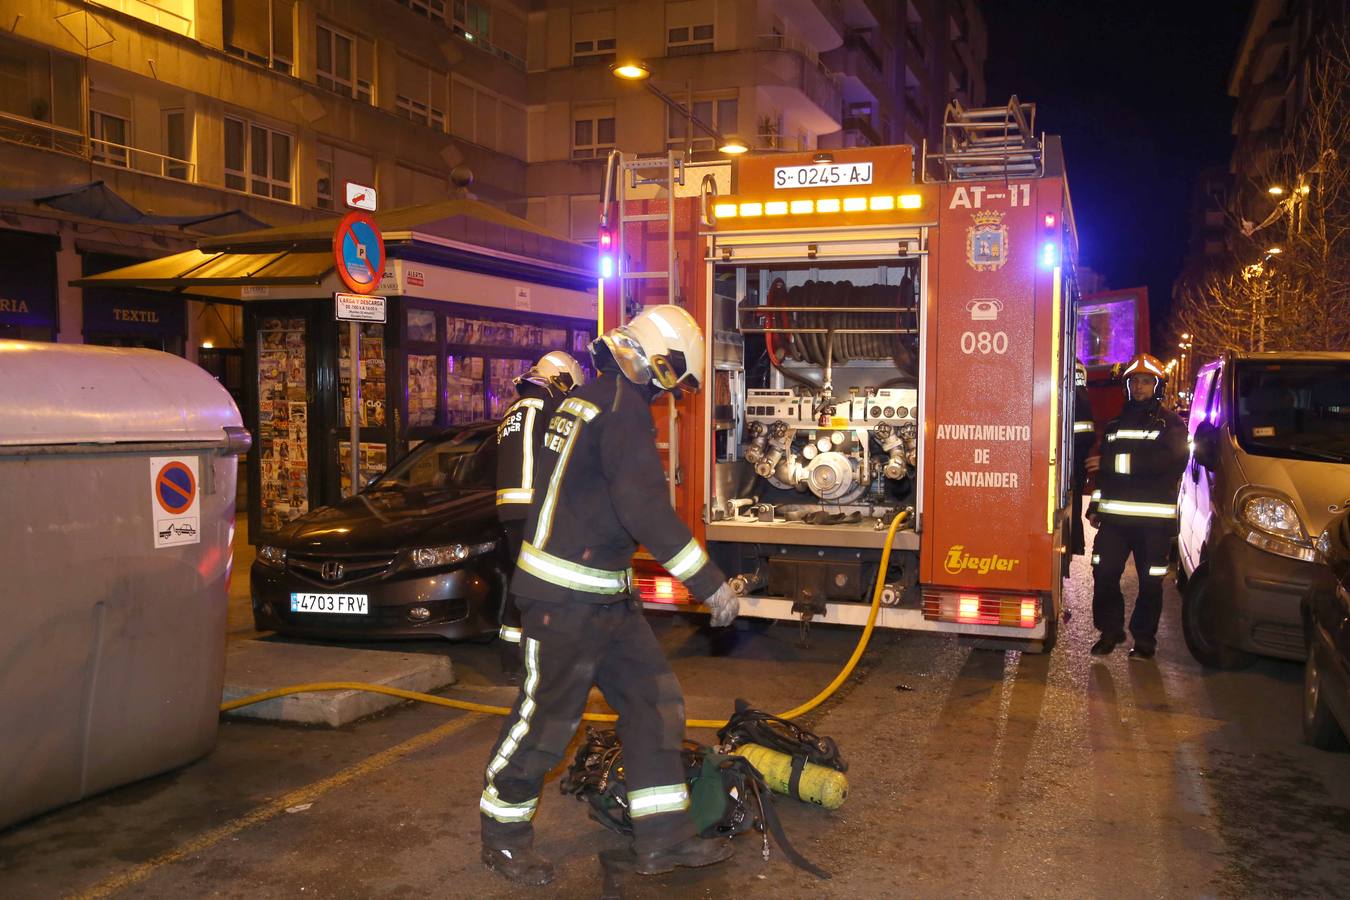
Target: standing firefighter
1135,508
604,491
519,433
1084,436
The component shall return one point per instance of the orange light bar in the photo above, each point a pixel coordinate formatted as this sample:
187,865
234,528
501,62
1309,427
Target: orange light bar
798,207
776,208
911,201
828,205
749,210
724,210
855,204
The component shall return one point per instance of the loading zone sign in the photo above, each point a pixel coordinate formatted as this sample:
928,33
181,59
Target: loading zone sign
174,502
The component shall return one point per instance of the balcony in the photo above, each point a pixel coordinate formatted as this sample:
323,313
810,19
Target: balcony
792,78
823,20
863,126
861,68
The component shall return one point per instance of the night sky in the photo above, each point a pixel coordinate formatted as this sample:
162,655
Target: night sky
1139,93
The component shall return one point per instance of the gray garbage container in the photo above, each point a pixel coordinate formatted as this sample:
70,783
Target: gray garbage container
117,482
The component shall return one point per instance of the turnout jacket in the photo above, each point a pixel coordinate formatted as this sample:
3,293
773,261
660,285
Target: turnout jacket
600,491
518,436
1143,455
1084,435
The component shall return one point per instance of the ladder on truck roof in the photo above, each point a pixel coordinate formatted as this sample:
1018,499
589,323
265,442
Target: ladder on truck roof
987,142
623,176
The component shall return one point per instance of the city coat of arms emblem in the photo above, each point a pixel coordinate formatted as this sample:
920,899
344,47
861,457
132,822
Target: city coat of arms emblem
987,241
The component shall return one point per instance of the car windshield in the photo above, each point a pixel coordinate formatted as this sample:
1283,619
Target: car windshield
1299,410
459,463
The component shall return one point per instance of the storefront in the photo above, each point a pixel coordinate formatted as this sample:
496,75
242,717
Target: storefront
129,318
474,298
28,305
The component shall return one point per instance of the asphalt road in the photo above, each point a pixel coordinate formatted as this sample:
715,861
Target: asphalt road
972,773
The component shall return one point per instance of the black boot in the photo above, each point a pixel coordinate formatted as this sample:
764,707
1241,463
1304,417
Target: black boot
1106,643
1141,650
691,853
522,866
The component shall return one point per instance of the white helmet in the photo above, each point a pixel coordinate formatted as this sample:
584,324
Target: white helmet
661,346
555,371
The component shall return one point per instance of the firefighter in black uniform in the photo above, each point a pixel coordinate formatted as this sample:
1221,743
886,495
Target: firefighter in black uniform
1135,508
519,434
601,490
1084,436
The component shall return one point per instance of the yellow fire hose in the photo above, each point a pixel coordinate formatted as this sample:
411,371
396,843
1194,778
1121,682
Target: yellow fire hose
465,705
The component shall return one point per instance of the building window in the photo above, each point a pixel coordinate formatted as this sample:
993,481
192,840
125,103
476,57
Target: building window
600,50
592,136
177,162
343,64
432,9
257,159
108,138
337,166
688,40
261,31
719,112
421,94
41,97
472,20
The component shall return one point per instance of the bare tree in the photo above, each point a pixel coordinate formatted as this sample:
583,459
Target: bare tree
1287,286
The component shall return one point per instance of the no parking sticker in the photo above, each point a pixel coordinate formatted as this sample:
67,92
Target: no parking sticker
174,502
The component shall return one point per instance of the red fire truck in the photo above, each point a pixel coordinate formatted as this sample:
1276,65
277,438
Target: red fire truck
883,335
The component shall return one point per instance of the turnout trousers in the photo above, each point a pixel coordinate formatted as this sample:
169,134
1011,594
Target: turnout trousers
510,632
567,647
1115,543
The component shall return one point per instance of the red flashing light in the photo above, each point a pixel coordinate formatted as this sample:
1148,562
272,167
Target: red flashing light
1050,220
606,240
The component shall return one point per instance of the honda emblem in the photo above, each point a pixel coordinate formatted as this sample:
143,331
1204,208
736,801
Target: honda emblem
332,570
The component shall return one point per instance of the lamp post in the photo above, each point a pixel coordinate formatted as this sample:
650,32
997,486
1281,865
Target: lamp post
638,71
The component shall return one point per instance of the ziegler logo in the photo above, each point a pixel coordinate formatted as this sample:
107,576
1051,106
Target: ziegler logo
958,561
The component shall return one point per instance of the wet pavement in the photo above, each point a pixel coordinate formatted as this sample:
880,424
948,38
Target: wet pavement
972,772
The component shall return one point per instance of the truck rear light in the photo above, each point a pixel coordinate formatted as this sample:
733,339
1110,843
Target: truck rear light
981,609
662,589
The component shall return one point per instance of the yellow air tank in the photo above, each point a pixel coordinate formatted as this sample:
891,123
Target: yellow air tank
820,785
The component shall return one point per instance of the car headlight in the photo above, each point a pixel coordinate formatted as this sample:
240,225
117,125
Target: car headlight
1273,515
447,555
1323,545
1274,526
273,556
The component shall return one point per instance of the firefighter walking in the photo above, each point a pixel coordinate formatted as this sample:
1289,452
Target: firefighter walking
604,491
1135,508
518,436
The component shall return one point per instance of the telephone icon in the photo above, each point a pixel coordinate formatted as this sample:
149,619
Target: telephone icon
984,310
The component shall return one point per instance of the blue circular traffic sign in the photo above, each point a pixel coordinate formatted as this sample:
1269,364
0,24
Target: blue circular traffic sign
358,248
175,488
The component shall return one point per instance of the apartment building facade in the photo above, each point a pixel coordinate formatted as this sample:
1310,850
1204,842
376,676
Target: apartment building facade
130,128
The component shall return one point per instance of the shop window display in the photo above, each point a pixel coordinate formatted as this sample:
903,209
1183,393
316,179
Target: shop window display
283,421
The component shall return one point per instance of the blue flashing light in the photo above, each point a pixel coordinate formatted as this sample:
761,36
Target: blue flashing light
1049,255
606,267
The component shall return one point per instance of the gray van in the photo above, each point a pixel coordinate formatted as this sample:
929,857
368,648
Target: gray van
1269,468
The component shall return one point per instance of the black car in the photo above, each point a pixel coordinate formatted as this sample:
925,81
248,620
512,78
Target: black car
1326,675
418,553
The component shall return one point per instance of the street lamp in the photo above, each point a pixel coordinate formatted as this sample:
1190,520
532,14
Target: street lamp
636,70
1274,251
1275,190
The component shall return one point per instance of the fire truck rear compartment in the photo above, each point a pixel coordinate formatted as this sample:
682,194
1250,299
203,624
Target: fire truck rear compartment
816,427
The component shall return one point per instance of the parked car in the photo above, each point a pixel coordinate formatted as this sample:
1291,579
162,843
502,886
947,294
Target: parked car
1326,674
1270,465
418,553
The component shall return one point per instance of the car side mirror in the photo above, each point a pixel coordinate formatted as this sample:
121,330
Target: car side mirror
1206,445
